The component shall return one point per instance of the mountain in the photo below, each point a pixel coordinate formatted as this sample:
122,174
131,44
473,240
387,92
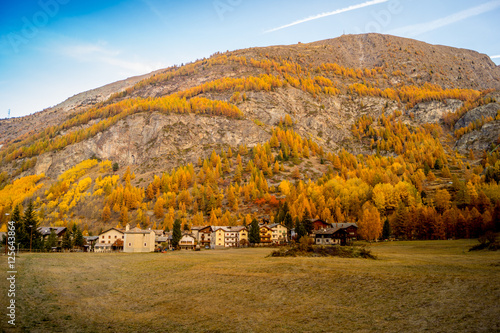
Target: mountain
305,111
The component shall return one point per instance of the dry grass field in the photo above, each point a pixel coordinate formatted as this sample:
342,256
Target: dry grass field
434,286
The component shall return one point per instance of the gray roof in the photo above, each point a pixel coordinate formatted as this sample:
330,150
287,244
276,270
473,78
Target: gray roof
91,238
328,231
197,227
47,230
343,225
147,232
275,225
162,239
228,229
119,230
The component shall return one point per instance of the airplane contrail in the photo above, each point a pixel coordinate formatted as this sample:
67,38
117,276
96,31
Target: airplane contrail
335,12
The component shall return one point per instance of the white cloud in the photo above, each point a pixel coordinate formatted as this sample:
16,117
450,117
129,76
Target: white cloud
101,53
495,57
418,29
335,12
84,50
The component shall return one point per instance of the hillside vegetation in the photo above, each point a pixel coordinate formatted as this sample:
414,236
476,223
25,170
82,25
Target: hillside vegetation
282,133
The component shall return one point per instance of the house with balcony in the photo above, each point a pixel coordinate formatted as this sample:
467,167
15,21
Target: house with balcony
59,231
202,234
187,242
319,224
222,236
110,240
350,228
330,236
279,233
266,235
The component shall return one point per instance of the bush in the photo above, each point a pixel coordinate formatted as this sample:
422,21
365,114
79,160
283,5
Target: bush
486,241
306,249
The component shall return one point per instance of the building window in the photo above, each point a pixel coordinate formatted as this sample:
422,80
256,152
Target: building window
115,236
109,237
129,244
145,244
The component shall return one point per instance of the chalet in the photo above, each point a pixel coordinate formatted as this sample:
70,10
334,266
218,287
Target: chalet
330,236
228,236
242,236
279,233
266,235
163,243
59,231
90,242
187,242
217,237
138,240
320,224
110,240
202,235
195,230
351,228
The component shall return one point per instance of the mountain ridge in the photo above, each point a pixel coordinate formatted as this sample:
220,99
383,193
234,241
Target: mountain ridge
304,111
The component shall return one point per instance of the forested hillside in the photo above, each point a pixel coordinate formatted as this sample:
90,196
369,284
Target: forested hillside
284,133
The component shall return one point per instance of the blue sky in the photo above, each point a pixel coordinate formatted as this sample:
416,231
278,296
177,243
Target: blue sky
53,49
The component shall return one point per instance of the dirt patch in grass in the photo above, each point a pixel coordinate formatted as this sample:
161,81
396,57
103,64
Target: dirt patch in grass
435,286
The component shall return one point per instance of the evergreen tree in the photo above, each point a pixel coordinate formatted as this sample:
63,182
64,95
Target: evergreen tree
496,217
386,230
29,219
22,235
51,241
66,241
308,225
300,229
78,240
176,233
288,221
254,233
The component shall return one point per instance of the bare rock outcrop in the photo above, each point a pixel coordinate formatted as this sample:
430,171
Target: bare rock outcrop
488,110
481,139
155,141
432,112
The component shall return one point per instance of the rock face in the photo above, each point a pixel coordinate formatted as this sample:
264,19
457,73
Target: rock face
488,110
480,139
154,140
432,112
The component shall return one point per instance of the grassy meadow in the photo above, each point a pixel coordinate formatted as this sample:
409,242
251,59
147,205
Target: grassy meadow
434,286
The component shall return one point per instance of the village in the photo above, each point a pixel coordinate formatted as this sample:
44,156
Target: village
136,240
